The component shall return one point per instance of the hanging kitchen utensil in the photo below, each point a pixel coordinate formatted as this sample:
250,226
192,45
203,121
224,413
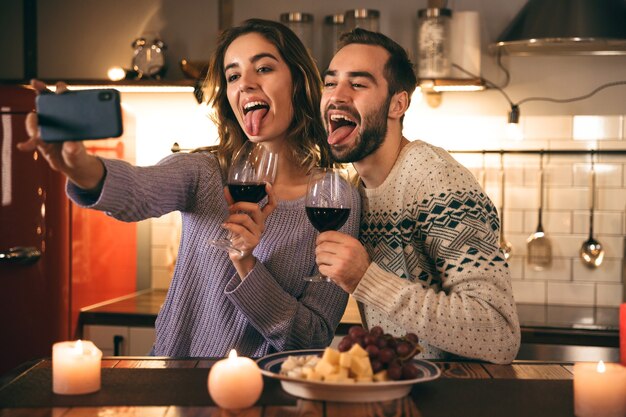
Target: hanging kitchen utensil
591,252
482,177
505,245
538,245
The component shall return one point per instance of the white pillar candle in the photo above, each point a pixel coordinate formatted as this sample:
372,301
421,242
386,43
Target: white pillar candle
599,390
75,367
235,382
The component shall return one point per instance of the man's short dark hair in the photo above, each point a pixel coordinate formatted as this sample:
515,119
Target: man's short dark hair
399,71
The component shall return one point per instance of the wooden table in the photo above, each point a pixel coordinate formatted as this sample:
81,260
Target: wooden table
162,387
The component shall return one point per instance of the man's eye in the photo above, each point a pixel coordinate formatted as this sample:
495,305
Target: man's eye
357,85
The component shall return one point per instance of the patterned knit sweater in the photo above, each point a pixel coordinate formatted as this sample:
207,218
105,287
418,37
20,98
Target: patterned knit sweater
437,270
209,309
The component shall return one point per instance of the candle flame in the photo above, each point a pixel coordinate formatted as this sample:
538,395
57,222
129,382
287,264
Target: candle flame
232,354
601,367
78,347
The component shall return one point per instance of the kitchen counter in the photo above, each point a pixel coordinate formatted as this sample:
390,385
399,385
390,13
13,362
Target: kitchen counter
158,387
587,332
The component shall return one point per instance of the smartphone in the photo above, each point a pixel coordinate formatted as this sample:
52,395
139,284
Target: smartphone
80,115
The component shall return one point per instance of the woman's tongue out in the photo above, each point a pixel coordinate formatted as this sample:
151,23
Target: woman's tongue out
252,119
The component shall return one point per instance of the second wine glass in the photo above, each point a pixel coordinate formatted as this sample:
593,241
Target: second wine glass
252,168
328,203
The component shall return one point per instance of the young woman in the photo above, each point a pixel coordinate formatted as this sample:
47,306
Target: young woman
265,88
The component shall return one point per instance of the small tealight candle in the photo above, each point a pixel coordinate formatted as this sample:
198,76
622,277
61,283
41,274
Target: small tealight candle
599,390
75,367
235,382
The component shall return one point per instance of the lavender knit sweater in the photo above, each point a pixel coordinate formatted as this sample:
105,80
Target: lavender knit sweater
209,309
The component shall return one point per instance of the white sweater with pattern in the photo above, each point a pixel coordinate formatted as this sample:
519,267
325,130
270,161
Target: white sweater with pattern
437,269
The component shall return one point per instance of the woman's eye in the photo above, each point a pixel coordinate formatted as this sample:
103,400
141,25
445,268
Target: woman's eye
329,84
264,69
232,77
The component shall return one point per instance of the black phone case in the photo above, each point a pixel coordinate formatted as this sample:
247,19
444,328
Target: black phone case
80,115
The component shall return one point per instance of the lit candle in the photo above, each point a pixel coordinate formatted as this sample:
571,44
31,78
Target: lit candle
622,333
75,367
599,390
235,382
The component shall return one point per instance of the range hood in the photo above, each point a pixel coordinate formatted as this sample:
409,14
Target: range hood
566,27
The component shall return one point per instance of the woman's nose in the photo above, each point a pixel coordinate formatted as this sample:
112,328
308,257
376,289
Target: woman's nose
247,82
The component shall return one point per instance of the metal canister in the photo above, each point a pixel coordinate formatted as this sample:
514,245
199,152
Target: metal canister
363,18
302,25
433,43
333,29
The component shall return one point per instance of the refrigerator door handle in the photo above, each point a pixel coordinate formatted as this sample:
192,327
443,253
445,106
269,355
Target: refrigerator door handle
20,255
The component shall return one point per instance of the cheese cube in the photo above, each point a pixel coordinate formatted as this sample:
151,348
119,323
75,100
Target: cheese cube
357,350
381,376
361,366
331,356
344,359
323,367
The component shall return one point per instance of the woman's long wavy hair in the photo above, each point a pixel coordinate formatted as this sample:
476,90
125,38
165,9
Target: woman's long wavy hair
306,138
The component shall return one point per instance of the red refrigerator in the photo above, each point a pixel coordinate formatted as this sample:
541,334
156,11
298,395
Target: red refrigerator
55,258
34,242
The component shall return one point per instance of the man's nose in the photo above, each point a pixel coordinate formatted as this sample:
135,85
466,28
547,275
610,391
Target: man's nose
340,94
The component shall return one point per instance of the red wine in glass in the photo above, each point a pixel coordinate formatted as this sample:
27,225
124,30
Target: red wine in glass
251,192
325,218
252,168
328,203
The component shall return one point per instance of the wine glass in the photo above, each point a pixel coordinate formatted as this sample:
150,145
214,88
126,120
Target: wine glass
253,167
328,202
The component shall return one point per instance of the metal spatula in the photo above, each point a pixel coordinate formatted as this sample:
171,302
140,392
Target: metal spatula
538,245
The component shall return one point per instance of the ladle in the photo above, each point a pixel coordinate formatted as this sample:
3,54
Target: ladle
591,252
505,245
538,245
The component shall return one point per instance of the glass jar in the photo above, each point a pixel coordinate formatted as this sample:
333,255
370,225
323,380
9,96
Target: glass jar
333,29
302,25
433,43
363,18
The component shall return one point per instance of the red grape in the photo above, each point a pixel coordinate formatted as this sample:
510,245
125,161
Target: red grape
376,331
386,355
394,372
410,371
372,351
356,331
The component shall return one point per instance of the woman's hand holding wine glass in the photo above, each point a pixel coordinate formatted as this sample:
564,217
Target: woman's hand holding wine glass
249,181
328,203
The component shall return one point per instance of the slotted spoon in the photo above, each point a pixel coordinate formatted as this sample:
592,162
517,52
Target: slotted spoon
591,252
538,245
505,245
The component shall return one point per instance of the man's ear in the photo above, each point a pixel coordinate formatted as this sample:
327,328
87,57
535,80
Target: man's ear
398,105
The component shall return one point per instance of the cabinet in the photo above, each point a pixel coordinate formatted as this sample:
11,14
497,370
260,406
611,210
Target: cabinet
121,340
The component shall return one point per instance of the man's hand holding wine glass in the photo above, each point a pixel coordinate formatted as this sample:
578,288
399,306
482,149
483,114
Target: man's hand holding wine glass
342,258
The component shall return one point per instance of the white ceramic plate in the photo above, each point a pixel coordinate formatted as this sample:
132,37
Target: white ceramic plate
342,392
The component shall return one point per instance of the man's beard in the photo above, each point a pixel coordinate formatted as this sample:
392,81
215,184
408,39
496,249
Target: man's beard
374,130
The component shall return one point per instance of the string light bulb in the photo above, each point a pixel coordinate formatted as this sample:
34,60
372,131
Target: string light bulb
514,131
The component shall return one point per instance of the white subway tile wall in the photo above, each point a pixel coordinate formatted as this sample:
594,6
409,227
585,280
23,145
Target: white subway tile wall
567,202
566,198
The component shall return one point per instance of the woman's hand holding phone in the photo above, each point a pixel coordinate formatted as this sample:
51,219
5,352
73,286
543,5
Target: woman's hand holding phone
71,157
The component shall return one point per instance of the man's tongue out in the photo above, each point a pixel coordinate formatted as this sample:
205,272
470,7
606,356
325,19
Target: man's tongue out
252,120
340,132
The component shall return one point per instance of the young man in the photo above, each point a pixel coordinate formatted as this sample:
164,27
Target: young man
428,259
